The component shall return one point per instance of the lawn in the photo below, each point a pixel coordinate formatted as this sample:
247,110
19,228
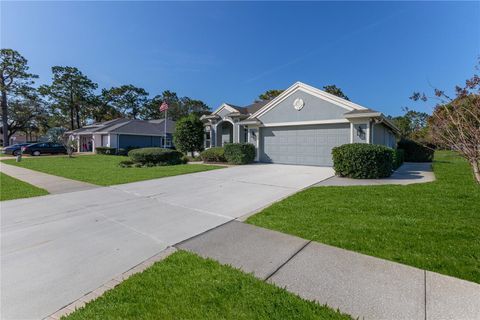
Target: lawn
433,226
185,286
11,188
103,170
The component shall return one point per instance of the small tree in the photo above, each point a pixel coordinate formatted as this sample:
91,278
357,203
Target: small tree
455,122
57,135
189,133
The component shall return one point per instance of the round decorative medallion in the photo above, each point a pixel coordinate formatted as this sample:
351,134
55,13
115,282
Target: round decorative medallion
298,104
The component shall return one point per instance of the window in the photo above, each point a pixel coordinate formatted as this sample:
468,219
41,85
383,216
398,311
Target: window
245,135
207,137
169,142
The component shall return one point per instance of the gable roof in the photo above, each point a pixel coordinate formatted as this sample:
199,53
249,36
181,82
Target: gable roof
348,105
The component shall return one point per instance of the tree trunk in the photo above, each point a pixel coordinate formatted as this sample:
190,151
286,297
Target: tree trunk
476,170
5,119
72,124
78,116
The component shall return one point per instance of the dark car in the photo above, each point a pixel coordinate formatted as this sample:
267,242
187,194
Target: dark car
14,149
37,149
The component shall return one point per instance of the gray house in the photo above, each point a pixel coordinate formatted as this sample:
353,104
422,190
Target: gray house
300,126
123,133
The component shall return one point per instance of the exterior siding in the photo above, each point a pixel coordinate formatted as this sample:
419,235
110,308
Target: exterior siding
314,109
360,136
303,145
126,141
384,136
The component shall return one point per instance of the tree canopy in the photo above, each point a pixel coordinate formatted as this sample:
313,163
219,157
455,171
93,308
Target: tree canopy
270,94
69,94
127,100
14,78
412,125
336,91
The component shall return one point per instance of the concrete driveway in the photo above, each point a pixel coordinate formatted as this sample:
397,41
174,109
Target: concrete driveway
57,248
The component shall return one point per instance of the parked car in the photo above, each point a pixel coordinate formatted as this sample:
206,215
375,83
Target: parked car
14,149
37,149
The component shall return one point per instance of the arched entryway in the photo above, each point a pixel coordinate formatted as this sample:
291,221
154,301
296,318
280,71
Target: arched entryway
224,133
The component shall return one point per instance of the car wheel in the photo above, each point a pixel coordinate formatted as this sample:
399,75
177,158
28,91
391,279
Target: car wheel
36,153
15,153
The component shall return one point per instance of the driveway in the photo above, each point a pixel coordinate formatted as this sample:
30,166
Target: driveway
59,247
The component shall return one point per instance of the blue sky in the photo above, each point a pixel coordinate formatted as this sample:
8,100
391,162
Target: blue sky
377,52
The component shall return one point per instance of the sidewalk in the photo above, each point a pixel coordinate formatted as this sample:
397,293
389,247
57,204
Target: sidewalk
53,184
357,284
408,173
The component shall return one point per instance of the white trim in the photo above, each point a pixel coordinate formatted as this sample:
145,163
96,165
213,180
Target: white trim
351,132
226,106
310,90
363,115
257,145
304,123
216,131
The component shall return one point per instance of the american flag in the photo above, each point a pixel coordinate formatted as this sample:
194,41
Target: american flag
164,106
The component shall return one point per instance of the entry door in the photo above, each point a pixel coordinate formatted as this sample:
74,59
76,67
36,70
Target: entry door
302,145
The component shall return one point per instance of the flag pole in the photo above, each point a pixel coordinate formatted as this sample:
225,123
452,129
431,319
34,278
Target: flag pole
165,139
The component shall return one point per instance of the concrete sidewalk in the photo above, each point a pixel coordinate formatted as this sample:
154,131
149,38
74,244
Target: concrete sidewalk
357,284
408,173
53,184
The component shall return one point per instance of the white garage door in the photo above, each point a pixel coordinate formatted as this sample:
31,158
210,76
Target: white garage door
305,145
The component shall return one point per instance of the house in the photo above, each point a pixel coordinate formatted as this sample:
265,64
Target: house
300,126
123,133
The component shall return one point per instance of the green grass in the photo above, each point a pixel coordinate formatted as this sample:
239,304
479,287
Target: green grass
103,170
11,188
433,226
185,286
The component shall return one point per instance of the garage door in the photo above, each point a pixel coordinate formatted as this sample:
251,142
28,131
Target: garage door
305,145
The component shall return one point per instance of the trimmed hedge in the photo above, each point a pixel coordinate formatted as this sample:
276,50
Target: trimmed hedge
239,153
415,152
398,158
363,161
156,156
215,154
106,150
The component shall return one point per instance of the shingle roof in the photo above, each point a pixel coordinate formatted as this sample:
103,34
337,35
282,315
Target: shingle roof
251,108
125,126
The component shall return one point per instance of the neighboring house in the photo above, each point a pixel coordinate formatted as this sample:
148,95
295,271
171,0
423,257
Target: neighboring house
19,137
123,133
300,126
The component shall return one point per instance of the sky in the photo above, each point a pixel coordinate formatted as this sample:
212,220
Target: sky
378,53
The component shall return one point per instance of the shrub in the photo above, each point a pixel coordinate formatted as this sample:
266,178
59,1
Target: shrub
106,150
415,152
398,158
126,163
239,153
122,152
362,161
215,154
156,156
